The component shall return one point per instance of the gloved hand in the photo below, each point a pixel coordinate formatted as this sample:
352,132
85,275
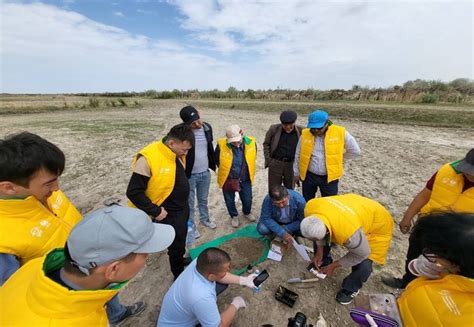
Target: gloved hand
238,302
248,280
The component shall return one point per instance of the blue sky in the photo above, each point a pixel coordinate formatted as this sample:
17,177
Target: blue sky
60,46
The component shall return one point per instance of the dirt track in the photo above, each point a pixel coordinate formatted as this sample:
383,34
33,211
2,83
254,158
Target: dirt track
396,161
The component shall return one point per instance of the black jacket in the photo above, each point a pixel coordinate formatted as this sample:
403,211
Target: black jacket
210,151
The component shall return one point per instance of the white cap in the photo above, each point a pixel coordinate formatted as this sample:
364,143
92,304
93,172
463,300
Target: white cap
233,133
313,228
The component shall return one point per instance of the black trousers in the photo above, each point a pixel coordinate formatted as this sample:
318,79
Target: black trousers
415,249
312,182
179,221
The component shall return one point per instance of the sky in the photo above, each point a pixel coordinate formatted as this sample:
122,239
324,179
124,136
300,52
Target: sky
70,46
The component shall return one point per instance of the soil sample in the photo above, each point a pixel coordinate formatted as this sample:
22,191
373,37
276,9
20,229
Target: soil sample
243,251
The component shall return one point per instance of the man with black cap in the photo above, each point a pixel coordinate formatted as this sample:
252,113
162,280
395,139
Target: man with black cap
70,287
320,154
199,160
279,150
451,188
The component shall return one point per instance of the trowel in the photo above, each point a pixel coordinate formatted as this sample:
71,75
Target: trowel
299,280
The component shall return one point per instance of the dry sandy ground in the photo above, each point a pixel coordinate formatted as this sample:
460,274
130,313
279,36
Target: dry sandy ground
396,161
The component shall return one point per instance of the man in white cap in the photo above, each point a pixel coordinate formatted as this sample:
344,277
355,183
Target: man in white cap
363,226
236,157
451,188
70,287
320,154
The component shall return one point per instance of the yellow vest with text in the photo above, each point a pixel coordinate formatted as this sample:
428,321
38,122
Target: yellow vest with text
162,163
225,159
30,298
448,301
29,230
343,215
333,150
447,192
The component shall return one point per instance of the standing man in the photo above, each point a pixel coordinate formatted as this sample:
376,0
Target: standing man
35,215
198,162
451,188
236,157
320,154
70,286
282,213
203,276
279,150
159,187
363,226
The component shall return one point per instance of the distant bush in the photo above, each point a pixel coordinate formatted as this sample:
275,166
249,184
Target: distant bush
429,98
94,102
122,102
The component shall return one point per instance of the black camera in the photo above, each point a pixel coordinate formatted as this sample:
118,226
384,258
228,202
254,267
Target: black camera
299,320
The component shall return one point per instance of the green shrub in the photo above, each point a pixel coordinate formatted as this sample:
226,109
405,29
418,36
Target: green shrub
429,98
94,102
122,102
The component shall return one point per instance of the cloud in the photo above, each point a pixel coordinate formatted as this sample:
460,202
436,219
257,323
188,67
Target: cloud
265,44
119,14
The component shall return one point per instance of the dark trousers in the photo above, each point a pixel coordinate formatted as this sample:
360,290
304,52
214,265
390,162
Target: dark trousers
415,249
179,221
312,182
280,172
359,275
245,196
327,259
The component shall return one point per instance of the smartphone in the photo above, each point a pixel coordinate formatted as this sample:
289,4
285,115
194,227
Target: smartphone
261,278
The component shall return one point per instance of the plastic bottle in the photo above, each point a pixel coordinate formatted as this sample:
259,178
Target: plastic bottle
190,239
256,289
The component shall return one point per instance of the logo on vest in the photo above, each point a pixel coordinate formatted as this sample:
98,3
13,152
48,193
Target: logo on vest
333,139
57,203
36,232
164,170
449,181
448,301
44,223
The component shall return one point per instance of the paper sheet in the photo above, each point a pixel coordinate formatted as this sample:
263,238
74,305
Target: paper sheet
301,251
274,256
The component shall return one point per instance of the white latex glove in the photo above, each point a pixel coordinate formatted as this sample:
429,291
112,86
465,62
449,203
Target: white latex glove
238,302
370,320
248,280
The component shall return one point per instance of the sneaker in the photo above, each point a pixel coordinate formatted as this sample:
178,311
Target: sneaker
196,234
394,282
345,297
235,221
209,224
250,217
132,310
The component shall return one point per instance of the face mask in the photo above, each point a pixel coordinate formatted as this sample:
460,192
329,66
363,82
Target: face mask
421,266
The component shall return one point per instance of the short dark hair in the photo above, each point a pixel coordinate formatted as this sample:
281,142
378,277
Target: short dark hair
449,235
23,154
211,260
181,132
278,193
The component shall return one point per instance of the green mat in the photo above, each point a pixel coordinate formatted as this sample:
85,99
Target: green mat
247,231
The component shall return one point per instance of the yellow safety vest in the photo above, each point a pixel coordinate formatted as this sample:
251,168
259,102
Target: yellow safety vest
444,302
447,192
333,149
30,298
343,215
226,156
162,163
29,230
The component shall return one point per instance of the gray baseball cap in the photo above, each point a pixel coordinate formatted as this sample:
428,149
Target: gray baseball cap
466,165
112,233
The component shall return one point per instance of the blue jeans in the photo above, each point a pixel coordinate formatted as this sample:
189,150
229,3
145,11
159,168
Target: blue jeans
115,310
264,230
245,196
199,186
312,182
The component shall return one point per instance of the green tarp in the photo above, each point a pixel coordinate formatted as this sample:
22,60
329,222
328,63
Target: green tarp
247,231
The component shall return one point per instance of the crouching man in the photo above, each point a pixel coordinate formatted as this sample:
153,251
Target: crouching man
192,299
282,213
361,225
70,287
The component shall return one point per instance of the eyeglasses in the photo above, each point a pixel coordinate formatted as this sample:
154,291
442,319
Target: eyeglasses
431,257
439,261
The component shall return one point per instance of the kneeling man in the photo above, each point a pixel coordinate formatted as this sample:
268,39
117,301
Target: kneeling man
192,299
361,225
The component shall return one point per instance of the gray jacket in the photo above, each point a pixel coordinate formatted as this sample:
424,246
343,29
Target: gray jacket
272,138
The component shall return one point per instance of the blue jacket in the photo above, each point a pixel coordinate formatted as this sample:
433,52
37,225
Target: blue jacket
270,215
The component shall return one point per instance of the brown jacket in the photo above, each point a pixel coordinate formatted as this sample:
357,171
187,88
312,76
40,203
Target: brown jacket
272,138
